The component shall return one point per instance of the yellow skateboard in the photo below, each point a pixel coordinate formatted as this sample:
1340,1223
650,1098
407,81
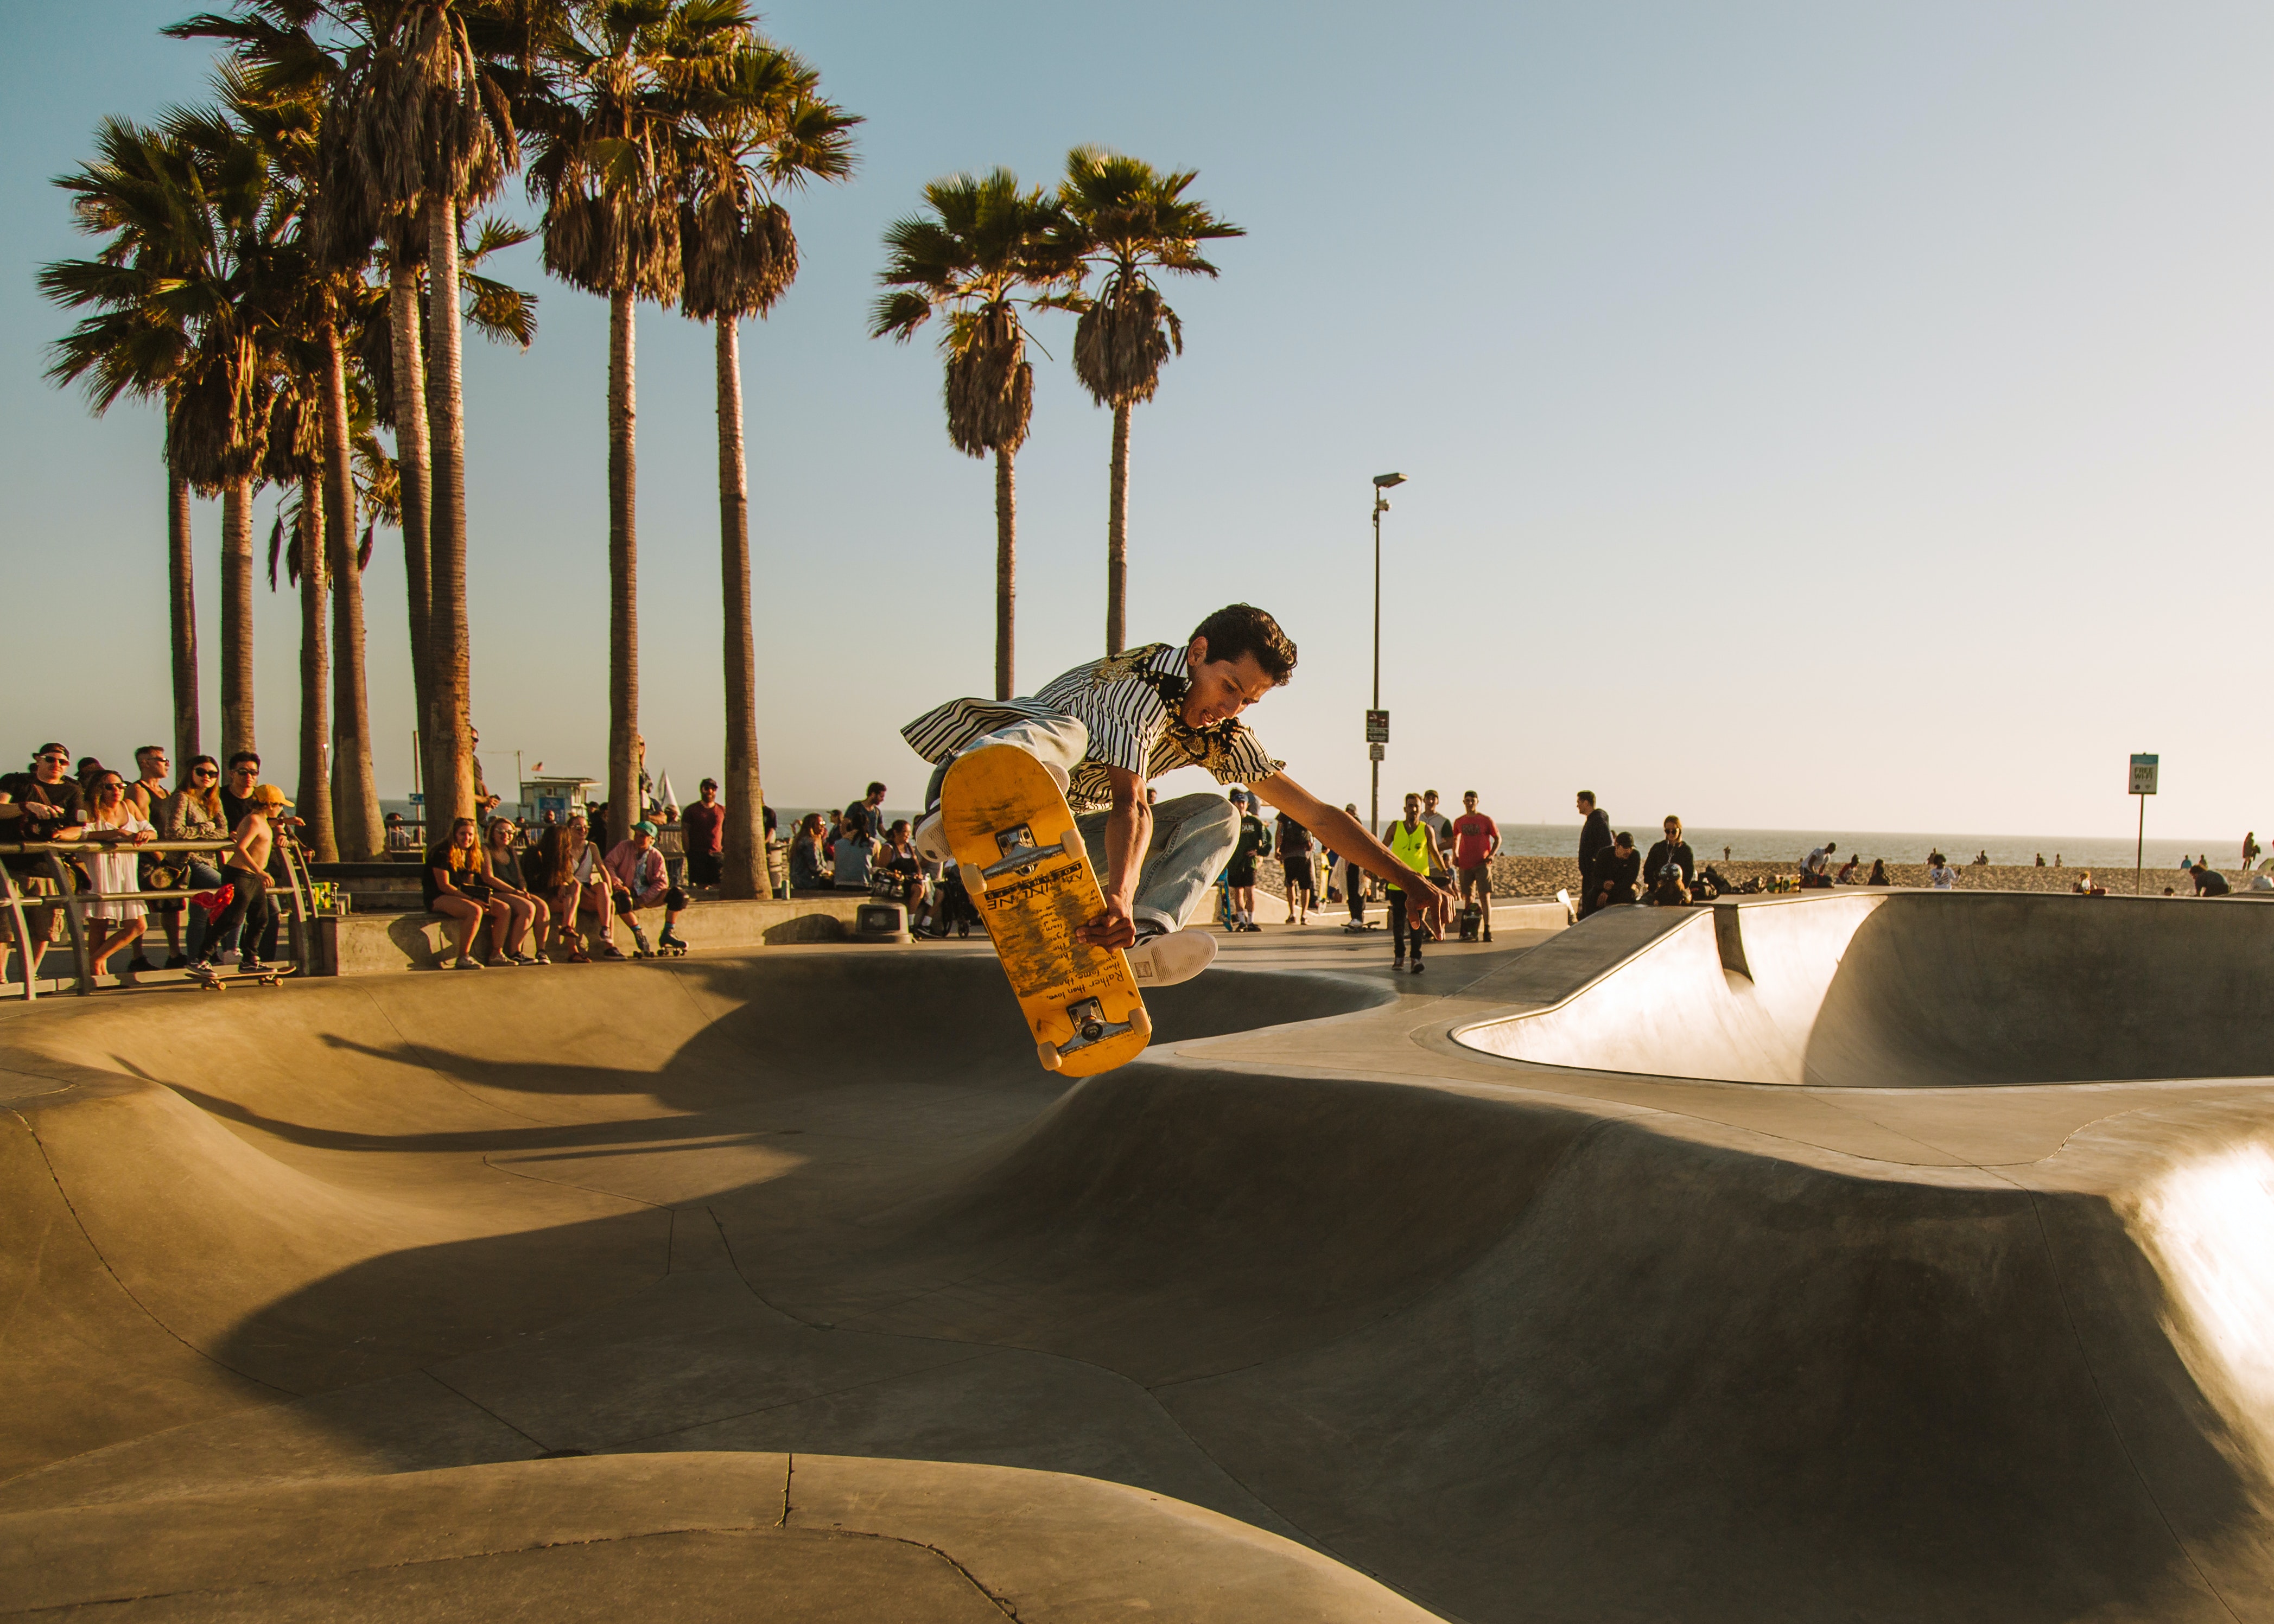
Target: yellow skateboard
1022,863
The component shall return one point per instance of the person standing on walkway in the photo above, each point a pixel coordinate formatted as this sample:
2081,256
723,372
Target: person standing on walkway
702,831
1476,842
1594,835
1295,853
1253,845
1442,827
1414,844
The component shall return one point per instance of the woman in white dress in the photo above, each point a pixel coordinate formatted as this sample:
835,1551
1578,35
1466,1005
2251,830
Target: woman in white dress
114,822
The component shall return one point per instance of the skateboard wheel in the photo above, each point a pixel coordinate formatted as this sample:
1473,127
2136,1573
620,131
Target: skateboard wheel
974,879
1047,1052
1070,843
1140,1022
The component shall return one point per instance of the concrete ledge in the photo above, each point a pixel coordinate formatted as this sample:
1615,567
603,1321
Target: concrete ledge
374,943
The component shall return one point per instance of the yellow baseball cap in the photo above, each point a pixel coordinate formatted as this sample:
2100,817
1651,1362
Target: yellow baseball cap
268,794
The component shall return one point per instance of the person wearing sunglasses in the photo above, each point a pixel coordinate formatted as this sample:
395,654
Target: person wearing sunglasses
192,812
114,920
44,803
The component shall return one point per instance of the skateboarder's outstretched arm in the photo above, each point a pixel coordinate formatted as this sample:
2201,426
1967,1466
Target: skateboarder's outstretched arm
1128,834
1426,902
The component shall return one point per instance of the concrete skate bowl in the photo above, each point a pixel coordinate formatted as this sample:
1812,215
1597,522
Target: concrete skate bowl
790,1279
1920,990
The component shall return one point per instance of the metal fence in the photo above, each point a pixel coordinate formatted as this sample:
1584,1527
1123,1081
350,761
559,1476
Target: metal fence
76,896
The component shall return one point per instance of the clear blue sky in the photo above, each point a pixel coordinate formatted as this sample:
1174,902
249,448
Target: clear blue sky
1853,416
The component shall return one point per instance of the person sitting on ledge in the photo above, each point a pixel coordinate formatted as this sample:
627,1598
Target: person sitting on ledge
456,879
1878,873
2209,880
855,851
511,878
808,855
637,877
582,881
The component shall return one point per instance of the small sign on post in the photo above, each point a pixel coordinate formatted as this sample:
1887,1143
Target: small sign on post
1377,729
1373,752
2143,784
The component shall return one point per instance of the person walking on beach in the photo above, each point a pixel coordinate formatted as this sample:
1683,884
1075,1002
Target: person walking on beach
1594,838
2249,849
1476,841
1414,844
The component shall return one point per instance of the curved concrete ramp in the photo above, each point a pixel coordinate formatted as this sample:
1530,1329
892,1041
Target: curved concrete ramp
677,1536
1909,989
1315,1302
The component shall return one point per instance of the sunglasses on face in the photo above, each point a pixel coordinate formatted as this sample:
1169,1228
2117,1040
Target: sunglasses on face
60,761
205,772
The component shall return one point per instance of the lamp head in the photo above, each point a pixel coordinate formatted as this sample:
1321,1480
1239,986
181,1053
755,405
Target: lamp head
1384,481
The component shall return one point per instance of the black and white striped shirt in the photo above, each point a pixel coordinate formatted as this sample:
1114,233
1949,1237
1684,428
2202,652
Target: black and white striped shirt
1133,705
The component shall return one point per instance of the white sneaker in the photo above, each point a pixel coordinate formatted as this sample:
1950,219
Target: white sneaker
931,838
1166,959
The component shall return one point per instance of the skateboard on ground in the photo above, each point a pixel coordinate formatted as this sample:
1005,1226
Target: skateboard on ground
214,980
1023,866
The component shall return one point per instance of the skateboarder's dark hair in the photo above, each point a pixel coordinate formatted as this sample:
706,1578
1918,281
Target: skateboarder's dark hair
1243,628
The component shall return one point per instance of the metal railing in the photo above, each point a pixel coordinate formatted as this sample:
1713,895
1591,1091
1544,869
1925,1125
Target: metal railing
75,902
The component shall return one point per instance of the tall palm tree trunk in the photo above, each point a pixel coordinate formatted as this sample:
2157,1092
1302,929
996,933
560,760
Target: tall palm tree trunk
314,799
1007,570
450,788
237,620
182,616
743,869
355,789
624,575
1117,536
411,461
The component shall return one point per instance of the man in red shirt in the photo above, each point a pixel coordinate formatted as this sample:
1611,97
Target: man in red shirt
1475,838
701,831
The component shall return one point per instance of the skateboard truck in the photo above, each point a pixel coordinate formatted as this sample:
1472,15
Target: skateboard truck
1091,1027
1019,852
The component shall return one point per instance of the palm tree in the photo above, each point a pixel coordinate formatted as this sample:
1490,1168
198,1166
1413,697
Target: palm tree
295,461
611,140
986,247
1130,220
763,130
206,214
421,120
142,192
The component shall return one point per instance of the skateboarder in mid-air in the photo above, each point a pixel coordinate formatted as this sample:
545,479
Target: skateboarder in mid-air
1107,727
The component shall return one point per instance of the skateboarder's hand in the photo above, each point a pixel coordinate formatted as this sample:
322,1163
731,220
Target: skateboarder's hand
1111,929
1430,905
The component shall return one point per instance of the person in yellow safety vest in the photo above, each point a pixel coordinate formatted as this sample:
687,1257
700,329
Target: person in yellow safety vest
1414,844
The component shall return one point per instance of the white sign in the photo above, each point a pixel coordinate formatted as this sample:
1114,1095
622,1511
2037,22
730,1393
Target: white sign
2143,775
1373,752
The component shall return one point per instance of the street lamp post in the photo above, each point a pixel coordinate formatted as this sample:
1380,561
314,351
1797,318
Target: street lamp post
1382,487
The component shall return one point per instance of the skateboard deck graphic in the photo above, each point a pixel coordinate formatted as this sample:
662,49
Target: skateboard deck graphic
1023,866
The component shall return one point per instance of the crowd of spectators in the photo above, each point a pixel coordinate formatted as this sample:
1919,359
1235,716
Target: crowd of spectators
209,904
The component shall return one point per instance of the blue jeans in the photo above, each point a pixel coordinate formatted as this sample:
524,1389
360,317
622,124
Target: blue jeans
1193,835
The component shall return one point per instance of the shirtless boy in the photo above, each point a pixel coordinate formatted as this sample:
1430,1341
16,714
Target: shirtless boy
1107,727
246,869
